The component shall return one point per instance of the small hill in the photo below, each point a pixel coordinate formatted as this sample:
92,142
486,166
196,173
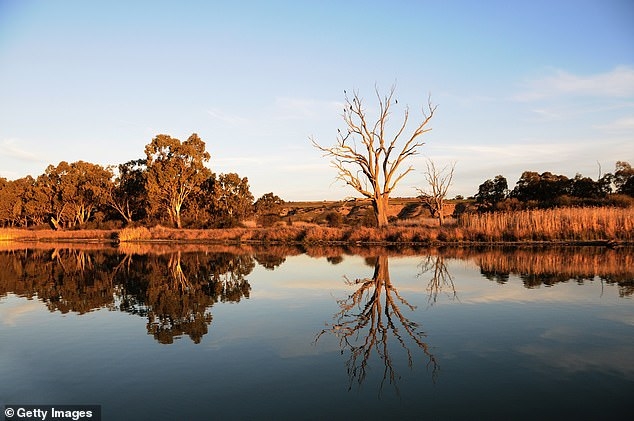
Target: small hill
358,211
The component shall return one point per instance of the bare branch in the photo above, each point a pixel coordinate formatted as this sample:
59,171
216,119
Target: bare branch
438,182
365,146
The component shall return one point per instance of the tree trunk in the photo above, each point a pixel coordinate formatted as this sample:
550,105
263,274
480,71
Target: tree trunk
441,212
55,223
177,214
380,205
382,272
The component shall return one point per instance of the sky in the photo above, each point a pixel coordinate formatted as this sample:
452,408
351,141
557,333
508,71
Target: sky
519,85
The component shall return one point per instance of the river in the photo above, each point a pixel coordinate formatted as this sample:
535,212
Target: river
211,332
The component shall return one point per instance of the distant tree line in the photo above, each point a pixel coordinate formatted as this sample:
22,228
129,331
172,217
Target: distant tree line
171,185
547,190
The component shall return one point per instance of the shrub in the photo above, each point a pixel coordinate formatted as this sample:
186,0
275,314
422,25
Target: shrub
369,218
268,220
620,201
334,219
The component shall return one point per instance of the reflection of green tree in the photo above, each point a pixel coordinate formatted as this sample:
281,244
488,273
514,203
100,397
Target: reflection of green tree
269,260
495,276
175,292
537,266
335,260
78,282
177,306
369,320
64,279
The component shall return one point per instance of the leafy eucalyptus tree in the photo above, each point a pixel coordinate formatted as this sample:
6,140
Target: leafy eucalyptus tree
492,192
128,195
74,191
175,172
86,189
231,200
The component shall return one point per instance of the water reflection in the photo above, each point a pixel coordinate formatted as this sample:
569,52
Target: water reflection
174,288
67,280
371,319
550,266
174,291
540,332
440,280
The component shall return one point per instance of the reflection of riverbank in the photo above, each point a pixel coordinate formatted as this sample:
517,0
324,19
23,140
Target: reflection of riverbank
537,265
546,266
552,345
174,291
175,283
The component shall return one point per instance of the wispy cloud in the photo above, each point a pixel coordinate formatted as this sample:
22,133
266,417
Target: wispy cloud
617,83
225,118
301,108
554,350
12,148
526,151
16,309
625,124
279,109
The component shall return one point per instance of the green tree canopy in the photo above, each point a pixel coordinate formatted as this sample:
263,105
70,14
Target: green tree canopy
128,195
231,200
268,202
74,191
491,192
175,171
624,178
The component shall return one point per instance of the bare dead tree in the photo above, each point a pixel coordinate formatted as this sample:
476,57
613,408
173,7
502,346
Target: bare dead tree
367,157
438,182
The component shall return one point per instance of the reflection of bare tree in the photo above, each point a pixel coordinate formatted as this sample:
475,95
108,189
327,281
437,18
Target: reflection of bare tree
369,320
440,280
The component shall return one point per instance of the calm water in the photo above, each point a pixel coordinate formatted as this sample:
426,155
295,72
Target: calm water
320,334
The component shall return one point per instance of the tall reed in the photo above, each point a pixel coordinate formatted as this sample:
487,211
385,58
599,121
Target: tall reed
567,224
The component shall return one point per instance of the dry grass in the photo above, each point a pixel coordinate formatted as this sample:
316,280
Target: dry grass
564,224
559,225
16,234
304,233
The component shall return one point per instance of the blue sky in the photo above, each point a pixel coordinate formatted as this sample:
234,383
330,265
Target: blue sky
531,85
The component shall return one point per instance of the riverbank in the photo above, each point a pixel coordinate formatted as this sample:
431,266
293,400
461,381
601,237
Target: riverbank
306,235
578,226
